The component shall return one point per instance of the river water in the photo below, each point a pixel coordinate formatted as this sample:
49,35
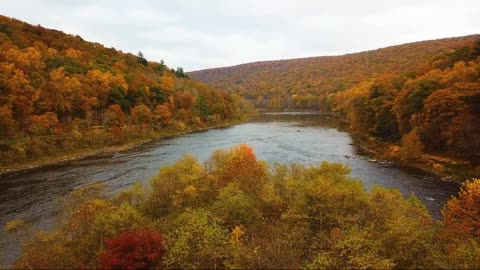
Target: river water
305,138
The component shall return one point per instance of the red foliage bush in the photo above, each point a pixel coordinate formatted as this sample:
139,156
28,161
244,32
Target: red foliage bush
133,250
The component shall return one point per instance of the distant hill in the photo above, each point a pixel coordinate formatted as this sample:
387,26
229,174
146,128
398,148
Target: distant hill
274,84
422,96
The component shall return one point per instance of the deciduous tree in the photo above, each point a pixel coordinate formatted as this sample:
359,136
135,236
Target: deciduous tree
134,250
461,214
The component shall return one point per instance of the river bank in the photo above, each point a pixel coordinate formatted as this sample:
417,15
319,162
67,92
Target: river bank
441,168
87,153
438,167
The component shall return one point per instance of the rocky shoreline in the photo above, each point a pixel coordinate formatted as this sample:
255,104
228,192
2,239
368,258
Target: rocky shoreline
428,164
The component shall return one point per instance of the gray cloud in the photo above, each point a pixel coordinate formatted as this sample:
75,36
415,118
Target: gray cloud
210,33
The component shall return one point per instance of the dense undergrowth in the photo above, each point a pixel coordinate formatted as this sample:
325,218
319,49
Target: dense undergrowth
235,211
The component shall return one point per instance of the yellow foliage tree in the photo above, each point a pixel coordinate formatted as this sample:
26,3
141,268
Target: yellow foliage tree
412,146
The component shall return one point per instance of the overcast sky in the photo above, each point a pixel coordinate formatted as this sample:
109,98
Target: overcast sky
198,34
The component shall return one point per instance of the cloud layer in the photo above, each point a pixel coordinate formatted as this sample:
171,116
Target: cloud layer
211,33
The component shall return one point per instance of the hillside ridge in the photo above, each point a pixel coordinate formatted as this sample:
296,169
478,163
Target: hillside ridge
271,61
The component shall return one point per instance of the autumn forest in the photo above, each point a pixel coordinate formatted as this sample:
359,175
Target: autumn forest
60,94
415,106
411,99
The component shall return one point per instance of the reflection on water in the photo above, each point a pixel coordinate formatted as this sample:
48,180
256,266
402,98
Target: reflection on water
304,138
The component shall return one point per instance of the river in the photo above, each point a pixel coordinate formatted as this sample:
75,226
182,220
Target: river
305,138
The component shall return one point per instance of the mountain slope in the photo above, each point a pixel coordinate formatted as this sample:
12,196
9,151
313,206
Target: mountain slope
61,94
302,83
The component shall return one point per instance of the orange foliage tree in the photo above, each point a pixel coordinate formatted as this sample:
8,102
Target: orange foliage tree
162,114
8,124
244,169
462,215
141,115
114,116
43,124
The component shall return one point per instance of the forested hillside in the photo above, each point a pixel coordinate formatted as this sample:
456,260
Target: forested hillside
424,97
304,83
436,110
59,94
